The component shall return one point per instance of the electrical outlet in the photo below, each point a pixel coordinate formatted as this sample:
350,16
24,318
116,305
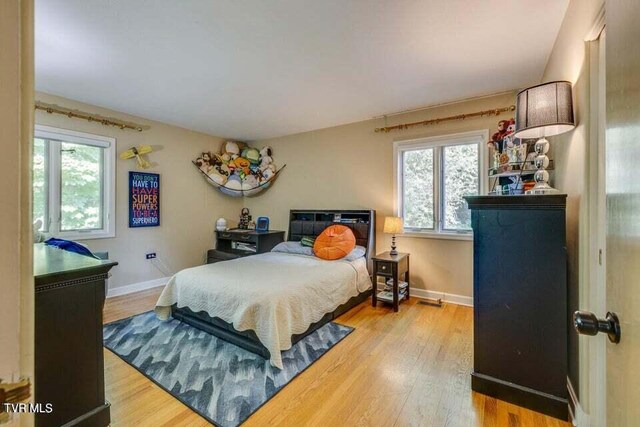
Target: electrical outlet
151,255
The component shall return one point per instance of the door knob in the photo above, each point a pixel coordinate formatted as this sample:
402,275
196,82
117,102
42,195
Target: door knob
587,323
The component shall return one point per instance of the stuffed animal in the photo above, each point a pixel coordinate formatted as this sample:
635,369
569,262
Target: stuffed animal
219,174
257,173
200,164
231,149
502,130
204,162
269,172
243,164
251,154
250,182
216,160
234,183
266,161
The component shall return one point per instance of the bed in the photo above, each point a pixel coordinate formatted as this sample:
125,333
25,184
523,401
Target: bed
266,303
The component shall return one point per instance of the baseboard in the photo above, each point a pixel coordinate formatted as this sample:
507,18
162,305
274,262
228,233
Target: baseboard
137,287
450,298
538,401
578,416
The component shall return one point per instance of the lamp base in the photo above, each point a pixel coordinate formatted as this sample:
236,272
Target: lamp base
393,246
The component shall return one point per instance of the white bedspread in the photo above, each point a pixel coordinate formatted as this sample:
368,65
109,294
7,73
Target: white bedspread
275,294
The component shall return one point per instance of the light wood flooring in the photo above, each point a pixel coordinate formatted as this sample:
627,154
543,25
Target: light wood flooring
410,368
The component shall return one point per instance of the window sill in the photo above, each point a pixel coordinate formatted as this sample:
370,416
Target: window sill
467,237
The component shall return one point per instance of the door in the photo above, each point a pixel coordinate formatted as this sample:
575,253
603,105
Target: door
622,152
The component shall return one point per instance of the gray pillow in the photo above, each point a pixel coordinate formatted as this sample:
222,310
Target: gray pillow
357,252
293,248
298,249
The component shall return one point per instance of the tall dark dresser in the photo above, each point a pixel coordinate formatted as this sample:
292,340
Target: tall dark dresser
520,300
69,364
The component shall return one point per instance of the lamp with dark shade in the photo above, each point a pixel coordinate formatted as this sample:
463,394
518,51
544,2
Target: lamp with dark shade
541,111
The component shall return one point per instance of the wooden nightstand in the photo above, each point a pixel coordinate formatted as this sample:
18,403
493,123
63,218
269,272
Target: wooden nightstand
236,243
392,267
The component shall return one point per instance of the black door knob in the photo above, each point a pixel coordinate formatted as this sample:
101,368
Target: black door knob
587,323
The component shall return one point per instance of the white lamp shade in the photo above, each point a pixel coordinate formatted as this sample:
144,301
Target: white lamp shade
393,225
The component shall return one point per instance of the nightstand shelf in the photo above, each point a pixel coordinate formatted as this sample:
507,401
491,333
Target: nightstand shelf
229,244
394,268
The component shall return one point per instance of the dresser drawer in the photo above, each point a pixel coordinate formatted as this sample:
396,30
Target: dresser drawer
238,237
384,268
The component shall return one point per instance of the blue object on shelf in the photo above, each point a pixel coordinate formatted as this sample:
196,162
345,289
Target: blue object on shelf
70,246
262,223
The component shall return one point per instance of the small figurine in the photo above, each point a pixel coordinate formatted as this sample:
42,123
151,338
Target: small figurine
245,219
221,224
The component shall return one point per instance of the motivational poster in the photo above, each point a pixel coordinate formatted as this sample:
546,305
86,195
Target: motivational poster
144,199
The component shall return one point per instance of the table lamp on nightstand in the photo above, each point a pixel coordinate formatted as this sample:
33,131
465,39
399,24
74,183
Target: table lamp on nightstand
393,225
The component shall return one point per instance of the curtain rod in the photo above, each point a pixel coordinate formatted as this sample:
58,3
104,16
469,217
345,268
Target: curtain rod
493,112
77,114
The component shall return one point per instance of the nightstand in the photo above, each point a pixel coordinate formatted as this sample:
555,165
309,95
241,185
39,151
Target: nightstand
394,267
237,243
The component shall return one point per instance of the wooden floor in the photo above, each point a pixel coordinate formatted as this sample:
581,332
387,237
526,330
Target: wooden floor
405,369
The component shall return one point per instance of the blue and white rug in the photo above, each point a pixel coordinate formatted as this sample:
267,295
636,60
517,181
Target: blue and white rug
220,381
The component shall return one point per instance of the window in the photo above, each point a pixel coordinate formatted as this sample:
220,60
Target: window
74,183
433,175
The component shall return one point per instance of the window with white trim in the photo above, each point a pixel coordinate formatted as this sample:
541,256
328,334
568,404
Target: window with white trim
74,183
432,177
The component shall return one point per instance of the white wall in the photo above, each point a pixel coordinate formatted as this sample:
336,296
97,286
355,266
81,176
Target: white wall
188,205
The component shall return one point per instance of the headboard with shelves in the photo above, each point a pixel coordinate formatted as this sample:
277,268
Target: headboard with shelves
311,222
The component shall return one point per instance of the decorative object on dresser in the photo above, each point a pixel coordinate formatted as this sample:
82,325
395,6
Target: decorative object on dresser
544,110
221,224
245,219
520,320
262,223
393,225
235,243
69,365
392,268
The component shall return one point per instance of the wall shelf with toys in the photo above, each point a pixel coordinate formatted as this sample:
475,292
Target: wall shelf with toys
239,170
511,161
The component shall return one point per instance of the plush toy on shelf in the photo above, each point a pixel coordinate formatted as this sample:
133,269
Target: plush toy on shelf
251,154
239,170
231,150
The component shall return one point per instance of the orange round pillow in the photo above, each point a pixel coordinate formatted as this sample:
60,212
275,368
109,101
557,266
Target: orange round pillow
335,242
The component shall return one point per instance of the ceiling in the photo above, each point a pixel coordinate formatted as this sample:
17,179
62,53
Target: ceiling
257,69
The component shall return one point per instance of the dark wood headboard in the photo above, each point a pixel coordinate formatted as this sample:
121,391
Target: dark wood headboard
311,222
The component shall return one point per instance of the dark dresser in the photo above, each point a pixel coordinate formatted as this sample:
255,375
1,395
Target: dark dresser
237,243
520,300
69,364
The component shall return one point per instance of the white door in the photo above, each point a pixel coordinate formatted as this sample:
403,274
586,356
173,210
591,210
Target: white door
622,151
615,385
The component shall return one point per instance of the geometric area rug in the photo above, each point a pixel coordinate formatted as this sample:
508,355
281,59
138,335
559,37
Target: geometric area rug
220,381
